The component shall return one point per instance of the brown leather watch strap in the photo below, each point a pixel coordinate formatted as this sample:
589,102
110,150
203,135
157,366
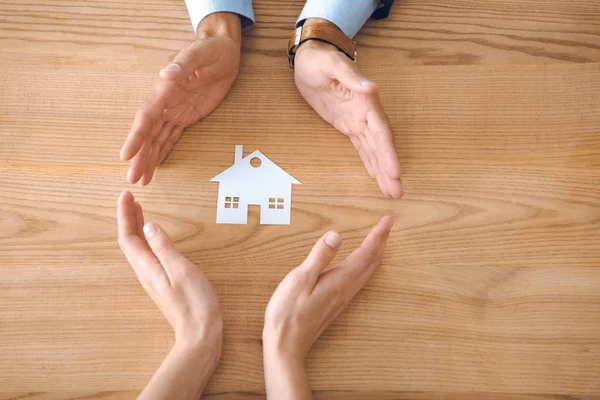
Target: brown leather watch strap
323,31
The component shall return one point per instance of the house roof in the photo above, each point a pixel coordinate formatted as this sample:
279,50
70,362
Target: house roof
243,170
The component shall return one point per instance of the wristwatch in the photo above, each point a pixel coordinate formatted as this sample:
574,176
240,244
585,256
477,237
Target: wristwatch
323,31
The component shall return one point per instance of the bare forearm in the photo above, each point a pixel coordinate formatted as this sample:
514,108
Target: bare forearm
183,374
285,377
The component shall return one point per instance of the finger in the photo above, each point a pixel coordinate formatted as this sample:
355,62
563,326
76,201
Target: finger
138,165
363,261
371,156
380,125
185,63
349,75
170,72
170,143
350,276
382,180
136,250
163,247
183,113
383,146
164,134
389,186
357,142
380,144
140,129
375,171
139,217
321,255
151,165
126,215
154,158
147,121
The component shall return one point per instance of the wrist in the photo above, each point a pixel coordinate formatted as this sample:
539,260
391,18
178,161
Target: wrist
320,35
207,344
274,350
285,374
317,45
221,24
207,353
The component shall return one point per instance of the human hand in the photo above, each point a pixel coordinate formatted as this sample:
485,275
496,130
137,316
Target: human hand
336,89
189,89
184,296
180,290
308,300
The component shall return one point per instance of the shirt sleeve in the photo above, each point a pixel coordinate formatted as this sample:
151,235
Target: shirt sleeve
349,18
199,9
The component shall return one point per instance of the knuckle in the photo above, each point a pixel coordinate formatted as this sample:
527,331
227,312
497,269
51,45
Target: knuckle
296,277
122,241
157,282
160,244
337,292
184,272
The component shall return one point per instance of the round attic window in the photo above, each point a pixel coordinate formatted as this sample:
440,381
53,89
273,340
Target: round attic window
255,162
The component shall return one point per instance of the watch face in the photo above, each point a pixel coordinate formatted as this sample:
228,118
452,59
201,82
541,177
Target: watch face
298,36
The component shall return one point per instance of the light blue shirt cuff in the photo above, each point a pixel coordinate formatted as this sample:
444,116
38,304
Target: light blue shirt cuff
349,16
199,9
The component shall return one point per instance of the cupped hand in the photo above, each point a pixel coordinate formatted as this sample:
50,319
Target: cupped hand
188,89
180,290
311,297
336,89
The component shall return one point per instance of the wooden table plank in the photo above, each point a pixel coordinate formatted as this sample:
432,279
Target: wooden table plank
418,31
493,115
317,395
490,283
490,279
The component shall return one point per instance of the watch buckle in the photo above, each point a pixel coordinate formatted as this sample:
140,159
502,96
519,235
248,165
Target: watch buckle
298,36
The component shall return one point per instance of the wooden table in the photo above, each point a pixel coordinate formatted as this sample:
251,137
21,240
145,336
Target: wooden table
490,287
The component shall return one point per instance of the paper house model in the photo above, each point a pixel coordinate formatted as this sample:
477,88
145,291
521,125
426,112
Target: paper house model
254,180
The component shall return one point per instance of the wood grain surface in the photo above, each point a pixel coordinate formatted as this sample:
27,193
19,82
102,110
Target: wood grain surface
490,287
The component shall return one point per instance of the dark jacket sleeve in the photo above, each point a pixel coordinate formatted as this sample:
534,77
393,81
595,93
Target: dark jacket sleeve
384,10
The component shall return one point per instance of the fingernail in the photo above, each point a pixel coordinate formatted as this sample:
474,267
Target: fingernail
333,240
366,82
150,230
172,68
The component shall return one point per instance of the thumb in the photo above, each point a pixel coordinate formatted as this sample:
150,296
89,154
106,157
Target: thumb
350,76
182,66
321,254
161,244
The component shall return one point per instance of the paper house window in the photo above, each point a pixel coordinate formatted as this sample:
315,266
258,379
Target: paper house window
276,203
232,202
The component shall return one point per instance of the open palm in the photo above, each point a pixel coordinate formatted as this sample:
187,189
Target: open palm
188,89
334,87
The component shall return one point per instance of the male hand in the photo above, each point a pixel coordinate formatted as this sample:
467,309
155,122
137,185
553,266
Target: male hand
179,289
336,89
308,300
189,89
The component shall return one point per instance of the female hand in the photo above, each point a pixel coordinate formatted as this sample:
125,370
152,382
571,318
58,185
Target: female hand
308,300
184,296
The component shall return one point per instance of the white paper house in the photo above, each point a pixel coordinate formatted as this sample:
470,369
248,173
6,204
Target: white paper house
265,185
